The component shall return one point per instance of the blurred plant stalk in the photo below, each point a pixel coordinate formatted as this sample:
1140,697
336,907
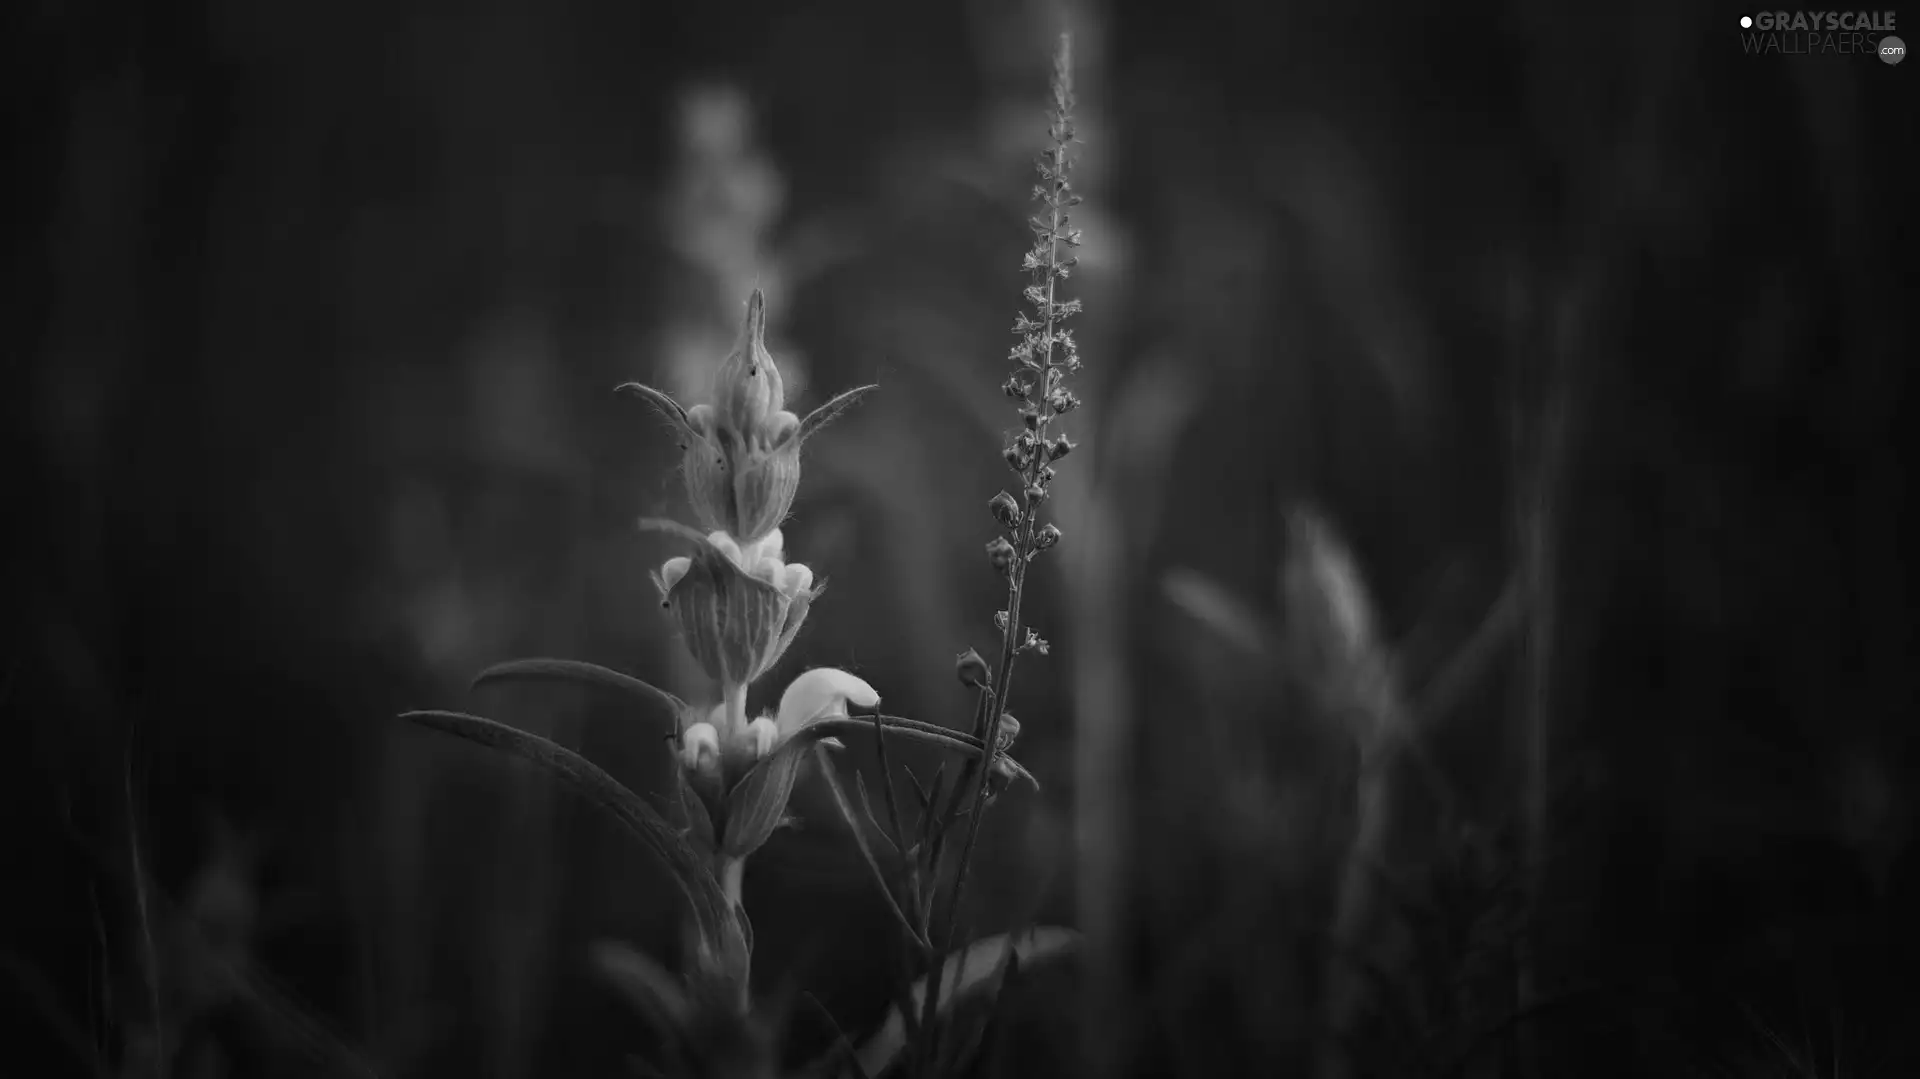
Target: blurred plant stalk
1541,420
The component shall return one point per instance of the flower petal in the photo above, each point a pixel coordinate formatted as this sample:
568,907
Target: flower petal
772,545
726,545
761,734
674,569
700,748
794,579
818,694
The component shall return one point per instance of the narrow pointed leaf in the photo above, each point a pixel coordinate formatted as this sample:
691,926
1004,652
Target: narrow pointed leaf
758,803
866,806
665,405
944,737
970,972
988,1040
825,414
639,819
899,832
936,793
920,790
866,849
674,528
699,820
842,1055
578,672
655,993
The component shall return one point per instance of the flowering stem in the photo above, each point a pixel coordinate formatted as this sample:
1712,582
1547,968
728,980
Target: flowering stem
1039,356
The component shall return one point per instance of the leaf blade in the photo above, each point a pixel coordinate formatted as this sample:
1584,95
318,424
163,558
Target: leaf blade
579,672
639,819
969,972
826,413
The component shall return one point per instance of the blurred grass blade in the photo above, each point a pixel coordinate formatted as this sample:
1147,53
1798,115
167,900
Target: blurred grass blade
44,1001
1449,685
969,972
279,1010
976,1055
1228,616
580,673
654,992
843,1054
642,821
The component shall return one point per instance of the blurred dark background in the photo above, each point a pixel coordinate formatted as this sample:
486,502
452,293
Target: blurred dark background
1582,332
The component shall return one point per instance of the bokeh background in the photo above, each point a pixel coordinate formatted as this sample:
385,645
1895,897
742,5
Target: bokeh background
1480,638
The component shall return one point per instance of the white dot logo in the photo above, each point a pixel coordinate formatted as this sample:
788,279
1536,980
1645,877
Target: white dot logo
1892,49
1746,22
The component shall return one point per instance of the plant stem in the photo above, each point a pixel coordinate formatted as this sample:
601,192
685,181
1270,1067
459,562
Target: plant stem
1031,494
736,698
733,872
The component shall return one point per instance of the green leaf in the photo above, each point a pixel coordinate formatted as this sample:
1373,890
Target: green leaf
579,672
708,903
970,972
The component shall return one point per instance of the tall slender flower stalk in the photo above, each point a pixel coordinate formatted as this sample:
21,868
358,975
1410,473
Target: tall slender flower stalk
1043,359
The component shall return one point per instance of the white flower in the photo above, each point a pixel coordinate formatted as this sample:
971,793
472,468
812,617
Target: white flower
818,694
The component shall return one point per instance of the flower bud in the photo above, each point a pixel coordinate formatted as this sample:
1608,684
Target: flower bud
1017,456
706,469
972,670
1014,388
1059,448
764,486
741,451
747,388
738,609
1031,417
1005,510
700,749
1047,537
1062,402
1000,776
1001,553
1009,730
